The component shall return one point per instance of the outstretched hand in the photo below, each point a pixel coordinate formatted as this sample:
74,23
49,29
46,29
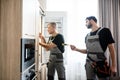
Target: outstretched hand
73,47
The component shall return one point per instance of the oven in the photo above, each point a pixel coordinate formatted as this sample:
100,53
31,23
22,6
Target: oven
27,58
29,74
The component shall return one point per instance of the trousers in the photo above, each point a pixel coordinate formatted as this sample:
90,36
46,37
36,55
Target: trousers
58,66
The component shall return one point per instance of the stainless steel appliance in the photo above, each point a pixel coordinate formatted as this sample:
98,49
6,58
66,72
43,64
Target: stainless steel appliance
29,74
27,59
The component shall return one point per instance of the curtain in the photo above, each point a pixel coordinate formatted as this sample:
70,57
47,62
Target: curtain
109,16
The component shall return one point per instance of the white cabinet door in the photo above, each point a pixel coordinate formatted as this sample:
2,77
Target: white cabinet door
28,18
42,4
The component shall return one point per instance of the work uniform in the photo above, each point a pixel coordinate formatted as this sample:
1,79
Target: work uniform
56,58
96,52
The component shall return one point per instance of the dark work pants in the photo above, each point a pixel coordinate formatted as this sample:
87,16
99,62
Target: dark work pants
58,66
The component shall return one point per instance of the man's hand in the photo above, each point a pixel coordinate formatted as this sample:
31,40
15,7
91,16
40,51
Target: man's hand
112,54
113,71
73,47
41,36
40,43
84,51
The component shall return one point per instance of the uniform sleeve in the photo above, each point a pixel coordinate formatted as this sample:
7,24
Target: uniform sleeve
109,37
105,38
58,40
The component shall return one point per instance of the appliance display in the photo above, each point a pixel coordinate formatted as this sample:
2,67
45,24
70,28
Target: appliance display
27,53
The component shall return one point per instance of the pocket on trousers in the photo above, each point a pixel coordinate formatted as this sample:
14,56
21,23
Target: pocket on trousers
59,56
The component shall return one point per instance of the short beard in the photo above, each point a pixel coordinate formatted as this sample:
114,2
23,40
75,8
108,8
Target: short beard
89,26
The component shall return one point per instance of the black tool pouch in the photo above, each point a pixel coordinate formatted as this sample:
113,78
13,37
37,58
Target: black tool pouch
102,69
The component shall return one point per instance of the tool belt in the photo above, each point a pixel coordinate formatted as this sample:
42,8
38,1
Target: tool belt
101,68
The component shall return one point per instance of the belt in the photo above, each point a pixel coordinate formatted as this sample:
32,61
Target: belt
55,53
95,53
89,60
58,60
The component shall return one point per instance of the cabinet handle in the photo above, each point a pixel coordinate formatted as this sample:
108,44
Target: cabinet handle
30,35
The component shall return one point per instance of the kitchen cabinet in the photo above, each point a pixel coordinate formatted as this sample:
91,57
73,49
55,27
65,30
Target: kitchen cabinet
42,4
28,18
39,24
18,19
30,14
32,26
42,73
10,34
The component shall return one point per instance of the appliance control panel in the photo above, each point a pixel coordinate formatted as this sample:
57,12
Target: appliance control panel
29,74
